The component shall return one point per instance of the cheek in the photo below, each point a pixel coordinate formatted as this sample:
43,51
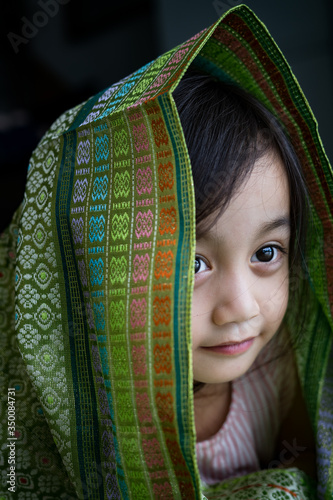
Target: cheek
200,314
275,301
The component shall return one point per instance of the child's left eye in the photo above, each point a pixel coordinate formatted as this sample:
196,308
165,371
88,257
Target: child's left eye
266,254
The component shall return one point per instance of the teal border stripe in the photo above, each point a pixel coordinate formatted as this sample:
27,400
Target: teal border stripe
209,67
69,148
84,111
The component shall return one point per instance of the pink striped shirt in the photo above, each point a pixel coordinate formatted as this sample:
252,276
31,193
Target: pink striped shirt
260,401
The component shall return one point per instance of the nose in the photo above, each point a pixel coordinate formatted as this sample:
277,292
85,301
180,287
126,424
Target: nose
235,301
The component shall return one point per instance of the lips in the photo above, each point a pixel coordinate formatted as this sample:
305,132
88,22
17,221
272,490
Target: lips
232,348
234,343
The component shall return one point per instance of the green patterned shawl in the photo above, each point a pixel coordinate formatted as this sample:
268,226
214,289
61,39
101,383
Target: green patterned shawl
96,282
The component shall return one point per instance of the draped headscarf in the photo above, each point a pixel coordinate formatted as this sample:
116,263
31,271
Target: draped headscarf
96,280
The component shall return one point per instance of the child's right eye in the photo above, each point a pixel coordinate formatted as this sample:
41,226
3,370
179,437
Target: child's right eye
199,265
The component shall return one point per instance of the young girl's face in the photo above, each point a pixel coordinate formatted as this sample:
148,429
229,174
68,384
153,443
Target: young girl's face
241,276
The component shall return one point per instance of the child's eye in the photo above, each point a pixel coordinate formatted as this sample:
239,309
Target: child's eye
267,254
199,265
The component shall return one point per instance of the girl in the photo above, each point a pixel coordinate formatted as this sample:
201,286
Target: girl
105,325
250,232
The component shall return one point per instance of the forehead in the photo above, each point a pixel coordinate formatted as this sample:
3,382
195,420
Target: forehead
266,187
262,198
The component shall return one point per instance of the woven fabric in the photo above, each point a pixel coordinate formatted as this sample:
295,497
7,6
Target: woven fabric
96,288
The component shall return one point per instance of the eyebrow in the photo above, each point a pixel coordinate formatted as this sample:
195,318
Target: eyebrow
280,222
277,223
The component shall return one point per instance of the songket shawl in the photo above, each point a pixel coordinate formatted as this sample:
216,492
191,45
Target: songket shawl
96,283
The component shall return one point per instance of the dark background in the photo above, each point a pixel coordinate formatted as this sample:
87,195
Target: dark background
50,61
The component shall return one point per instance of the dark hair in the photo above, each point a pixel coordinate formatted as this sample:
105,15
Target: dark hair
226,131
